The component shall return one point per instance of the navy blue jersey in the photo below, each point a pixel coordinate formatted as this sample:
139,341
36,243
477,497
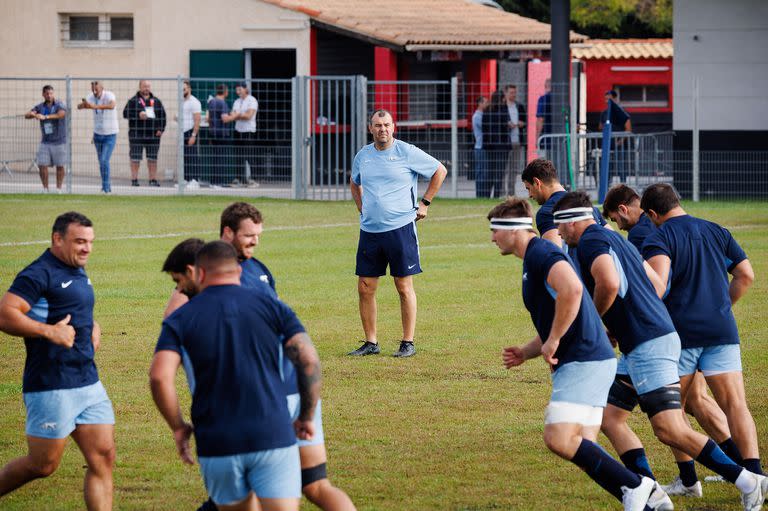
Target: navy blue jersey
585,340
642,229
545,220
230,340
637,314
701,253
54,289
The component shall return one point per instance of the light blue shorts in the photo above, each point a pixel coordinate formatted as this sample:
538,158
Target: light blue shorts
653,364
585,383
270,474
294,401
724,358
56,413
621,365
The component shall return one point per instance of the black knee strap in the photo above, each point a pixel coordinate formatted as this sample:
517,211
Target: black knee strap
313,474
659,400
622,394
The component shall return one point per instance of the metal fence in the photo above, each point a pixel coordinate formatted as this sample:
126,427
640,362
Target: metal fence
307,131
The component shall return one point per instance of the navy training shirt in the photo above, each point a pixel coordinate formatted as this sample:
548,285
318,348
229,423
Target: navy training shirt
585,340
641,230
54,289
545,219
637,314
230,340
701,253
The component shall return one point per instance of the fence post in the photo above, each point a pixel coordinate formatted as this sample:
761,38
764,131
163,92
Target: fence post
454,136
296,136
695,134
69,134
180,135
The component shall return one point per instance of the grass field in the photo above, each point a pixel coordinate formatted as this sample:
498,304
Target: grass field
448,429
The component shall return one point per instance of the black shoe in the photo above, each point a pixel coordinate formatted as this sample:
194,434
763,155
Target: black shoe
406,350
208,505
368,348
153,182
134,182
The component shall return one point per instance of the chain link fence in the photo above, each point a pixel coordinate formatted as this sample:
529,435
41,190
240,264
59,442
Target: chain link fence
297,138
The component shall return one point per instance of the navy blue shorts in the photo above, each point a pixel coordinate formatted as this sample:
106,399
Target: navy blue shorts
398,248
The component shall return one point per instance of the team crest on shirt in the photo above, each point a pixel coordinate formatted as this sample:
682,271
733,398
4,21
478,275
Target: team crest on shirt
525,276
264,279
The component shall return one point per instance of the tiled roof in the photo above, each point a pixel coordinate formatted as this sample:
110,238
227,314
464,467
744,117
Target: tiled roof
428,24
624,49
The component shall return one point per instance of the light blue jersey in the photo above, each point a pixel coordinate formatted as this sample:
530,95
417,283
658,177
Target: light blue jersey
389,180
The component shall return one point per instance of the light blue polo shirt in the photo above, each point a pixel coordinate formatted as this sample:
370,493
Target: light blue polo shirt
389,180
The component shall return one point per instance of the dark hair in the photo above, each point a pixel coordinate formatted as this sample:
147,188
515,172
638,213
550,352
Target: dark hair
236,213
611,93
61,224
659,197
617,196
381,112
47,87
497,98
221,88
182,255
186,82
541,169
480,99
513,207
510,86
215,253
573,200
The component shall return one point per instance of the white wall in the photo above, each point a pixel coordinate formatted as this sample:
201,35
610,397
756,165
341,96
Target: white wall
730,58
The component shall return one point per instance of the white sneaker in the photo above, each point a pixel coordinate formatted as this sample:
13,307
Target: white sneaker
59,191
659,500
635,499
677,488
753,501
193,185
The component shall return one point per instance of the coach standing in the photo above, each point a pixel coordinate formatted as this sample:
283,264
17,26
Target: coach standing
53,147
146,123
384,186
50,304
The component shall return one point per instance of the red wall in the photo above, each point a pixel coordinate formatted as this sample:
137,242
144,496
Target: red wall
601,78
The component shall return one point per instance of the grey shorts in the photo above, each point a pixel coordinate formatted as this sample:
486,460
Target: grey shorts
52,154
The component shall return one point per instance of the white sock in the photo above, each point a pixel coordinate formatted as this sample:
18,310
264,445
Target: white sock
746,481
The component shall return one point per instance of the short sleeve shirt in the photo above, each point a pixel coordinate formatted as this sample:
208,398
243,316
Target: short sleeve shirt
53,289
544,111
545,219
104,121
190,107
54,131
619,117
585,340
216,108
701,254
230,338
637,314
389,179
241,106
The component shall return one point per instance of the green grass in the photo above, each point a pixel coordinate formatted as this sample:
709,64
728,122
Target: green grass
449,429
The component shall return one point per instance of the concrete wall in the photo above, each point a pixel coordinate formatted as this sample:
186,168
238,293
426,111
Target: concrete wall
725,44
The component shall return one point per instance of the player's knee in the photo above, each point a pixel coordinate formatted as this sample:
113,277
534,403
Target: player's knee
44,468
556,443
365,288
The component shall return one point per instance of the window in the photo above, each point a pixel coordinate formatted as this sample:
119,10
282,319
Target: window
648,96
97,30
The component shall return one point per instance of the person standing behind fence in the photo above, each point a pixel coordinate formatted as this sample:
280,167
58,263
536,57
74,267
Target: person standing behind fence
244,112
496,143
516,126
190,121
53,147
105,128
146,123
544,120
219,135
620,121
481,165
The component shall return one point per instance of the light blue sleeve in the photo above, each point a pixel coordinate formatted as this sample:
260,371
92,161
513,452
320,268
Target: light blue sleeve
420,162
356,169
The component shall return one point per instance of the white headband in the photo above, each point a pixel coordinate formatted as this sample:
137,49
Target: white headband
573,215
511,224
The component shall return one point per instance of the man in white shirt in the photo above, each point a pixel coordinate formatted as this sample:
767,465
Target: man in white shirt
190,122
244,115
105,128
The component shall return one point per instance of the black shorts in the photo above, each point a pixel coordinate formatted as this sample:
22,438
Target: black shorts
398,248
138,146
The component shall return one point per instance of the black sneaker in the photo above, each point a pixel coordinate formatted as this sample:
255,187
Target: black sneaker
406,350
208,505
153,182
368,348
134,182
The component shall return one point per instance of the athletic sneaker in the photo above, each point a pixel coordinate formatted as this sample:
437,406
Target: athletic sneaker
635,499
134,182
677,488
753,501
368,348
153,182
406,350
659,500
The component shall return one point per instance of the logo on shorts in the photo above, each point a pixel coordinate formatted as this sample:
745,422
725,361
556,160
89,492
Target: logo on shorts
48,425
65,285
411,266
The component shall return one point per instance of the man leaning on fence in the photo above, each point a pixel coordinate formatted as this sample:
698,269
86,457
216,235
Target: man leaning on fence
105,128
146,123
53,146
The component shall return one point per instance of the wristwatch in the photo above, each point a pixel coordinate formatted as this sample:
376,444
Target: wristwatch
425,201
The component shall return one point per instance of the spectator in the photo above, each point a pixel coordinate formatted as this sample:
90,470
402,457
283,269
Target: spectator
496,143
219,135
146,123
481,166
105,128
544,122
620,121
244,114
516,126
190,122
53,147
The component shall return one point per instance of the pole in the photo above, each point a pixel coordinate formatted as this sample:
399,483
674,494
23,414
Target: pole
454,136
180,135
696,169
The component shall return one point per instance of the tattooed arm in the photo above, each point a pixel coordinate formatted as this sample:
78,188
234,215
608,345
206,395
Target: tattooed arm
300,350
